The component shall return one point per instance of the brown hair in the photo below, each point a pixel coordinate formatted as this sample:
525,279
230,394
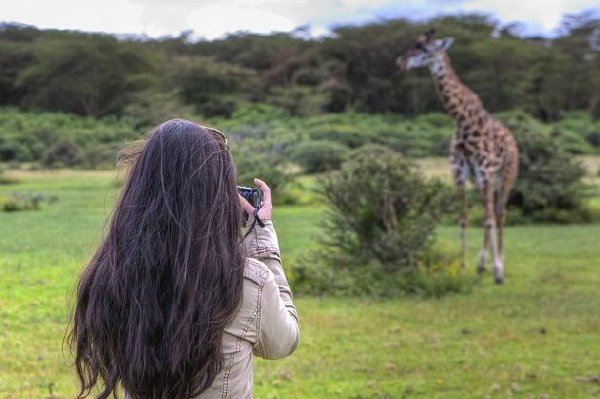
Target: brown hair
153,302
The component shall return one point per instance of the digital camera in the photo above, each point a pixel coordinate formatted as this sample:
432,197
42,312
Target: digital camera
253,195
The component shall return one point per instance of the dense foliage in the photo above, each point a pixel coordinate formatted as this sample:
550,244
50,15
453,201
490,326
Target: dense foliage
549,187
52,138
351,70
319,155
316,143
24,201
378,231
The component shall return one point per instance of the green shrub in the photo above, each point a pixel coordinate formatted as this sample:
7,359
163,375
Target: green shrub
300,192
440,274
4,179
13,151
584,126
217,107
29,136
152,107
319,155
570,141
378,232
269,167
348,135
26,201
549,187
99,156
338,97
298,100
594,139
63,153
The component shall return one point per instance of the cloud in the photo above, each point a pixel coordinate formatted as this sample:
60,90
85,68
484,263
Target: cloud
98,16
540,16
214,18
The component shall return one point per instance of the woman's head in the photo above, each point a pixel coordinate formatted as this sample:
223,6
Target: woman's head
154,300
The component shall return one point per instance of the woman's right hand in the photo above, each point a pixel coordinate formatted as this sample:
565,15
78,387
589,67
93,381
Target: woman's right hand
266,208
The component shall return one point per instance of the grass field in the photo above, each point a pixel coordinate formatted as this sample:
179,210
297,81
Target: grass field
538,336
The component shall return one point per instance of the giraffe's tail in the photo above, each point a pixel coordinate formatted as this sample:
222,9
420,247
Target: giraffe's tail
510,173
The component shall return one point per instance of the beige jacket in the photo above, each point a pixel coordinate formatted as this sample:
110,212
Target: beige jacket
267,323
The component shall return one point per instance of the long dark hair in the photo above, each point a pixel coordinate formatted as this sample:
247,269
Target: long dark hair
154,300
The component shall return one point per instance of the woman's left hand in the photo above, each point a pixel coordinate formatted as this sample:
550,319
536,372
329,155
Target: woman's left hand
266,208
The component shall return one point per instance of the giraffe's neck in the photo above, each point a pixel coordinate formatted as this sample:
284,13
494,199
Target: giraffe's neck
441,67
456,97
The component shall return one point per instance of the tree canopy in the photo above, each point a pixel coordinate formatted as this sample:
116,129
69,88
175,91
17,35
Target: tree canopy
351,70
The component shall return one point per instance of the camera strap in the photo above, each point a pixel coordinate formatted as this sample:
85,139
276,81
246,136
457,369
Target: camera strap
256,220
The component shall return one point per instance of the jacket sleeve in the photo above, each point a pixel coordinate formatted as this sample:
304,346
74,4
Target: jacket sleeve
278,331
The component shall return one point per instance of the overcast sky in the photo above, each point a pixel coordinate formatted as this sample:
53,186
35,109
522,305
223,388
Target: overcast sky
214,18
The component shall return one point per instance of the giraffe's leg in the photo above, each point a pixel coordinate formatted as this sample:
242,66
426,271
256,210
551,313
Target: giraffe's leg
500,215
486,235
509,176
460,173
490,231
463,222
483,255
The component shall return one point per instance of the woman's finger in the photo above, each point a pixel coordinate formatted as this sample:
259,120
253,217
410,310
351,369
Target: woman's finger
246,205
265,189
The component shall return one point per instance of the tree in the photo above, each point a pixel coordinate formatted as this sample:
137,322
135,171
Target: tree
89,75
209,85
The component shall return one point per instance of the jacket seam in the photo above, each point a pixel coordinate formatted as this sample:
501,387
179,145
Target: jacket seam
259,317
225,391
259,250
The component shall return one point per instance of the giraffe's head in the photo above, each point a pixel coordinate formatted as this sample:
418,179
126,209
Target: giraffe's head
424,51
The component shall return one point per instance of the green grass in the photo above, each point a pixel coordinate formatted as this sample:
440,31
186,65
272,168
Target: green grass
539,334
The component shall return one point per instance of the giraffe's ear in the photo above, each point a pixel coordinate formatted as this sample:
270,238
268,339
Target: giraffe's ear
446,43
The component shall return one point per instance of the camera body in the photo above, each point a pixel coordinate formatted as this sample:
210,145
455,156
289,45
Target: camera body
253,195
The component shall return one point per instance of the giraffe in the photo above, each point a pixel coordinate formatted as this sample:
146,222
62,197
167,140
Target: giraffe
482,150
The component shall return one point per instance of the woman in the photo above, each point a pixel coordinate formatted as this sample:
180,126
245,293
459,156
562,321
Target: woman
171,305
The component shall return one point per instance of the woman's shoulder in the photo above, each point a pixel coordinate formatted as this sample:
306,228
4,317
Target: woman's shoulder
256,271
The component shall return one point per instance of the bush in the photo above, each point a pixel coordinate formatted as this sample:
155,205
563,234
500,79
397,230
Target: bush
346,134
570,142
6,179
28,136
151,107
26,201
63,153
98,156
319,155
251,163
12,152
298,100
443,275
377,235
594,139
549,187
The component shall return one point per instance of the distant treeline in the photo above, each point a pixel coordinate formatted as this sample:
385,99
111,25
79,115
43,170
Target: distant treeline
317,143
352,70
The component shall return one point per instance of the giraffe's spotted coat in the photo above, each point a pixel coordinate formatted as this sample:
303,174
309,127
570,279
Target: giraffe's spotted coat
482,149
